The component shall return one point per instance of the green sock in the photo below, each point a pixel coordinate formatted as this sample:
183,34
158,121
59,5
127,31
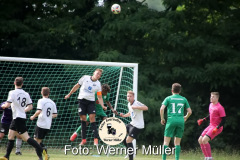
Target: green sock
78,130
177,152
164,156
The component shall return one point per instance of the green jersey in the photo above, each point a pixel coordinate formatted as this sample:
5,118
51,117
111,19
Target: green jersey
105,99
175,105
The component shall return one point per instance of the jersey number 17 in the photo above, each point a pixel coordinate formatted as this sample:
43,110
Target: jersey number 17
179,107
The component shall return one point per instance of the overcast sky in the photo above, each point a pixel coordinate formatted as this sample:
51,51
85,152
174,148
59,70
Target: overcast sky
154,4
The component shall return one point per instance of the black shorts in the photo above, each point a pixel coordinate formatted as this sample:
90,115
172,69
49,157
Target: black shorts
4,128
86,107
40,133
19,125
133,131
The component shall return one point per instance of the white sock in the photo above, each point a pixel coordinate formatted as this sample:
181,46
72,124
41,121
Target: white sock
18,145
134,142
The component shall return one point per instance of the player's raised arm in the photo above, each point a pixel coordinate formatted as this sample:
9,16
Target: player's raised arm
144,108
74,89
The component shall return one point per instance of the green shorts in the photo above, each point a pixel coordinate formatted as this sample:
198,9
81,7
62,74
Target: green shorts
174,127
100,112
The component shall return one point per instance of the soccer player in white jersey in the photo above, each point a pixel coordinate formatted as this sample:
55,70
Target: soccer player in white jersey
46,110
86,98
20,102
136,109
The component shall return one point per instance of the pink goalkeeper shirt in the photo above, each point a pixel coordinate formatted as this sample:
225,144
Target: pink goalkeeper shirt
216,112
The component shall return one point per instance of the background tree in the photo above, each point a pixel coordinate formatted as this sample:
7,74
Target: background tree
195,43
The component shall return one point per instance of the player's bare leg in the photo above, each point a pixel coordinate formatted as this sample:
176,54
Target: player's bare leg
165,145
25,137
202,147
10,144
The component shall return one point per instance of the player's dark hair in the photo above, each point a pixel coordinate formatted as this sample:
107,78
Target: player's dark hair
216,94
18,81
45,91
176,88
106,87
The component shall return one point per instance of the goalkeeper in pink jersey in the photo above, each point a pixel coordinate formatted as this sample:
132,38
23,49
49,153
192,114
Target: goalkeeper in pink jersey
217,117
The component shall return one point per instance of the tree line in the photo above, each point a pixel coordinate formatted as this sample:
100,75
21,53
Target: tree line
194,43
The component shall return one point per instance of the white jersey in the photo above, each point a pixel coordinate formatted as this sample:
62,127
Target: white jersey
88,88
48,107
19,100
136,115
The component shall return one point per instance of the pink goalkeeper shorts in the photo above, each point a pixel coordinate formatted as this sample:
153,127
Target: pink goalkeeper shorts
208,132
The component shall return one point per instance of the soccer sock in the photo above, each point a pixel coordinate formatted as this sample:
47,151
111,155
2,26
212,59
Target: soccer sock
124,142
88,119
18,144
84,128
130,151
10,146
134,145
43,146
208,150
164,156
78,130
94,129
203,150
177,152
38,148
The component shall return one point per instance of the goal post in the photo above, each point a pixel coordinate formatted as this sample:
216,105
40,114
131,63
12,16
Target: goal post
60,76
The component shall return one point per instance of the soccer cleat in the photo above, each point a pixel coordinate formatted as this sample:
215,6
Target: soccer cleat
18,153
3,158
95,141
73,137
84,141
46,156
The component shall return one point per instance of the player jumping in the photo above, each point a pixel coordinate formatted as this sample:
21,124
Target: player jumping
99,110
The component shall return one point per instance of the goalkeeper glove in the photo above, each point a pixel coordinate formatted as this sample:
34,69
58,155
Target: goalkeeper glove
200,121
215,130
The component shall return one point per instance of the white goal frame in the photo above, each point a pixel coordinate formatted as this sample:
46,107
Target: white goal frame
76,62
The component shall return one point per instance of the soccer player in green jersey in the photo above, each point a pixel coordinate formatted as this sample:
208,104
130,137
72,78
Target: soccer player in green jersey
175,105
99,109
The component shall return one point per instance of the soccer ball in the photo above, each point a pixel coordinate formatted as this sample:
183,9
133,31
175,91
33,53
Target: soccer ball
116,8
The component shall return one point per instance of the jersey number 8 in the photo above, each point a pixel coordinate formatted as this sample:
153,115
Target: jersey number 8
23,102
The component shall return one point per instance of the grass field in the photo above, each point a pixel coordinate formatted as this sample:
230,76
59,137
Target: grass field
59,155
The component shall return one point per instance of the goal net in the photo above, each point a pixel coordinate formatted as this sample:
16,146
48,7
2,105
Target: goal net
60,76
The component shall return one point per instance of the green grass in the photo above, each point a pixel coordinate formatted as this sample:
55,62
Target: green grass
59,155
